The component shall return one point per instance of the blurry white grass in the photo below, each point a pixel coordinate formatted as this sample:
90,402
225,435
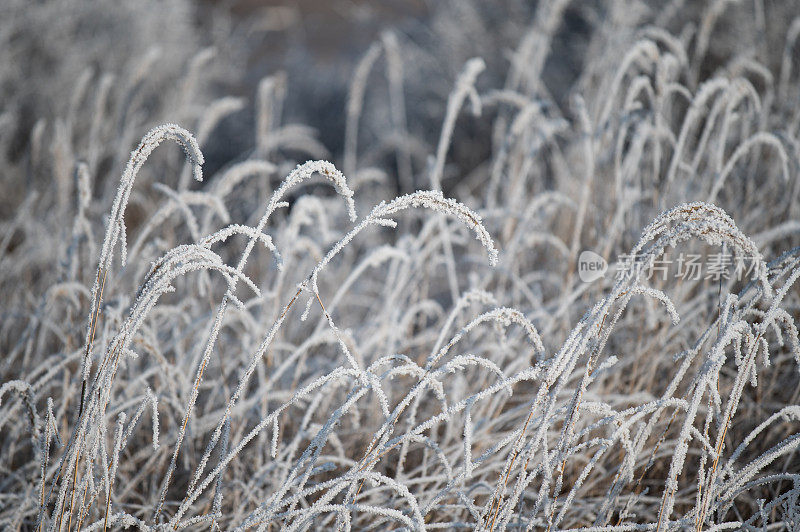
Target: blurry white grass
409,401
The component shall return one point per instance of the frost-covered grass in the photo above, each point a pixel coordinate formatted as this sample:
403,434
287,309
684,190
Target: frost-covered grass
407,343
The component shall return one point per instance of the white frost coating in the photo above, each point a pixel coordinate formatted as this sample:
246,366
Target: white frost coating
434,200
423,390
116,224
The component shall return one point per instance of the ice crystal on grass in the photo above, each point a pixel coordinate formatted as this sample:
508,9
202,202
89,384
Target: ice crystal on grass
263,358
